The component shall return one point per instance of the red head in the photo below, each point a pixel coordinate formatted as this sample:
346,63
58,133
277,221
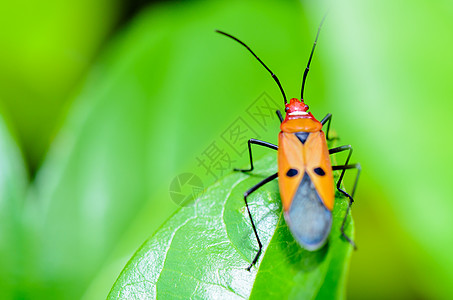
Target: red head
296,109
298,118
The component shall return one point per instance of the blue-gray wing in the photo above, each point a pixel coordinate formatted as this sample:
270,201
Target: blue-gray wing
307,218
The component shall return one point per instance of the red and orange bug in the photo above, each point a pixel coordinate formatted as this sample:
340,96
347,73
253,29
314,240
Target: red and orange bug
304,169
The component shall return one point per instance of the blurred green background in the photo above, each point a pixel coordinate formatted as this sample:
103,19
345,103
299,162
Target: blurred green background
104,102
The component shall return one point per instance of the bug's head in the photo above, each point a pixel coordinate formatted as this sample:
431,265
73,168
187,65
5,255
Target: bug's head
298,118
296,109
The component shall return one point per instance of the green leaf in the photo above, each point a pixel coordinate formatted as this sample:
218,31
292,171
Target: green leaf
204,248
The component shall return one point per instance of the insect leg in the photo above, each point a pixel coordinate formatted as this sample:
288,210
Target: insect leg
348,167
256,142
328,118
343,169
350,197
279,115
246,194
341,149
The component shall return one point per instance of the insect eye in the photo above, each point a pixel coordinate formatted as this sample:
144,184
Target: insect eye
319,171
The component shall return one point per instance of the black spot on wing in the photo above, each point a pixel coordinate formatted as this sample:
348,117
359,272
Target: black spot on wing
308,219
302,136
292,172
319,171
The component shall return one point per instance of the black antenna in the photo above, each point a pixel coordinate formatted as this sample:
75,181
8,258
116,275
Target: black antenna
273,75
309,60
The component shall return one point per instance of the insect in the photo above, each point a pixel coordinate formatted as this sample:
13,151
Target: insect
304,169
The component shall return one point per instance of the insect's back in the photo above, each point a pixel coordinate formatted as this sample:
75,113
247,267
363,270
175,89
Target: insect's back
306,183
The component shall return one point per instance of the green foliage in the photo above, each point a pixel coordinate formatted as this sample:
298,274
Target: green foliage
45,48
103,187
204,248
166,86
13,184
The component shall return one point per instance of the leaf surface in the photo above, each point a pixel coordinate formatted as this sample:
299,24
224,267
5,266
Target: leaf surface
203,250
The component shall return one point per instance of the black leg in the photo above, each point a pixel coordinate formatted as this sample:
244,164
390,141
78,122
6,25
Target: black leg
343,169
351,200
348,167
341,149
246,194
256,142
328,118
279,115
